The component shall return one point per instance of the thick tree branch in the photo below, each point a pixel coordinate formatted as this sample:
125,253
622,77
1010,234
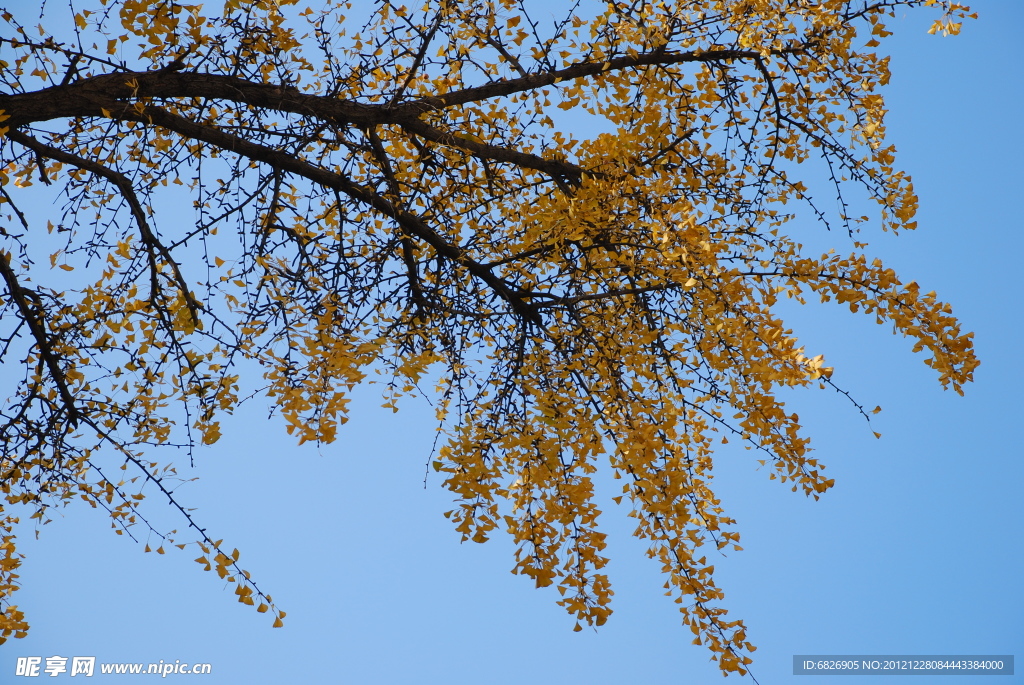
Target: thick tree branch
530,82
88,96
94,96
277,159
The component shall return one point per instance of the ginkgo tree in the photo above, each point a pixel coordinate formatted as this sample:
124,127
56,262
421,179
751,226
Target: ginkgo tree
395,193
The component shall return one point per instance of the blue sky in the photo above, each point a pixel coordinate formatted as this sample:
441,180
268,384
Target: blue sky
917,550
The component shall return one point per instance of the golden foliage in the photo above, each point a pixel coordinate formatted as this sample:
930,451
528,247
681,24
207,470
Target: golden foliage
408,199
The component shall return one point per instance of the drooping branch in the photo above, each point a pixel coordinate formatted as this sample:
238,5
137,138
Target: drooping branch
32,318
394,190
127,190
556,169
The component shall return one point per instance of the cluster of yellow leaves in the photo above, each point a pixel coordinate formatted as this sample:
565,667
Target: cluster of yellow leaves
12,621
226,567
163,26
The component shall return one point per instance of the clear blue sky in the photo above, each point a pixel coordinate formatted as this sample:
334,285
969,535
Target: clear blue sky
917,550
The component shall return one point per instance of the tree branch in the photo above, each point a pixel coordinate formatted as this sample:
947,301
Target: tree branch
88,96
409,222
19,295
128,192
